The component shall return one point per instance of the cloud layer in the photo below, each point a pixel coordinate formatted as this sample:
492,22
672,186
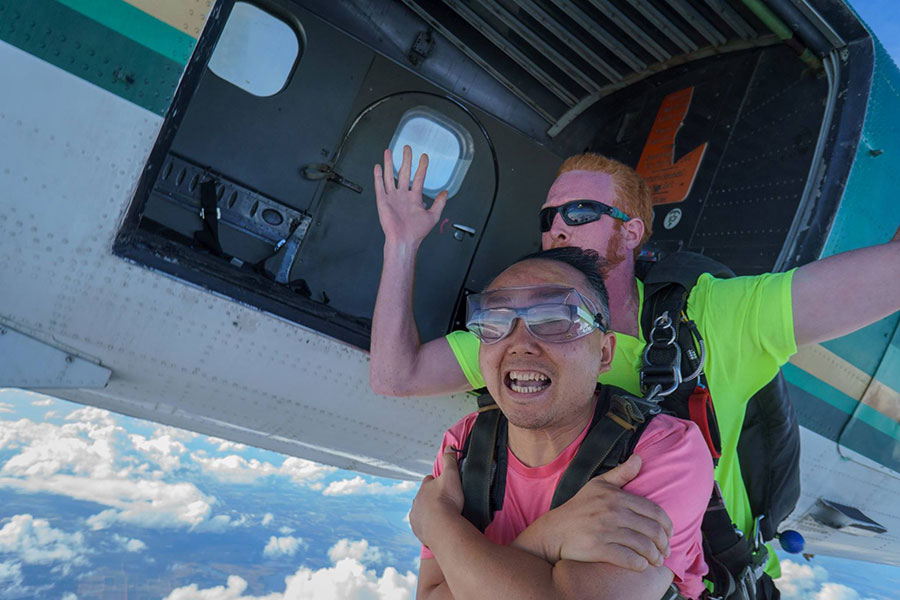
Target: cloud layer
346,579
35,542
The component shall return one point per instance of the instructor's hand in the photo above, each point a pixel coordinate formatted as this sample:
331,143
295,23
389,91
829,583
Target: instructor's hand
602,523
401,210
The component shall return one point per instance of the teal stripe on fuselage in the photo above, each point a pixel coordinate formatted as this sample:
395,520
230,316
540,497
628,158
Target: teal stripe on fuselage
137,25
80,45
846,404
841,401
819,388
833,423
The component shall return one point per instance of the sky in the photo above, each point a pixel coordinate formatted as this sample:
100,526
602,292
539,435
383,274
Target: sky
95,505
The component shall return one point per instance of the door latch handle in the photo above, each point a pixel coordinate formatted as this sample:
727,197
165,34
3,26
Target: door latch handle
316,171
461,231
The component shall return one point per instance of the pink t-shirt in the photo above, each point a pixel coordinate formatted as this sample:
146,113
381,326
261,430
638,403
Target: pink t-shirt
676,473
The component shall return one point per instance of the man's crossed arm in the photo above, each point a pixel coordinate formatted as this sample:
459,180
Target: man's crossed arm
544,562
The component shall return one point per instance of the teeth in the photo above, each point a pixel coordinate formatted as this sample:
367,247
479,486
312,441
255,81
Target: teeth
527,376
525,389
527,382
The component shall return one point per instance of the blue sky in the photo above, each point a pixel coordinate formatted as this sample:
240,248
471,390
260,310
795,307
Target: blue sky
94,504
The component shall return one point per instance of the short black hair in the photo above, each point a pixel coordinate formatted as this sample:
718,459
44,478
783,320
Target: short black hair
588,263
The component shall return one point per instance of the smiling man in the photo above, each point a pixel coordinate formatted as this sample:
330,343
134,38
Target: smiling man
544,343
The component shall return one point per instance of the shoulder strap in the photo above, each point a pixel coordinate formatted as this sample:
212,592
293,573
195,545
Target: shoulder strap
619,420
673,358
483,459
671,279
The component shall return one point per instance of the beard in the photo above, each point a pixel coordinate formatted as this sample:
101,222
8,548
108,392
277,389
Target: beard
615,248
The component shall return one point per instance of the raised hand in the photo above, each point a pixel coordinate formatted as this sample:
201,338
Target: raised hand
602,523
401,210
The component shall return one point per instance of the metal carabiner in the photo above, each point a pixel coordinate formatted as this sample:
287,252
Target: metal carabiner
663,321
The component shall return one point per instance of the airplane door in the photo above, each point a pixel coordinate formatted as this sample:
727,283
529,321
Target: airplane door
341,256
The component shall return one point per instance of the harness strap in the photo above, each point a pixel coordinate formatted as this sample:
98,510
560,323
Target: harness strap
209,235
483,456
673,594
735,564
605,446
704,416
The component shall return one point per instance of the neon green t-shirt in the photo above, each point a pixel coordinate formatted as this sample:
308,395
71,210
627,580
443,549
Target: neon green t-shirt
747,324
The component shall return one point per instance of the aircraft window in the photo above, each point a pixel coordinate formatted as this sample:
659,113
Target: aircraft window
449,147
256,51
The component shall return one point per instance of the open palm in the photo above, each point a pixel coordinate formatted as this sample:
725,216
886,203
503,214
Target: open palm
401,209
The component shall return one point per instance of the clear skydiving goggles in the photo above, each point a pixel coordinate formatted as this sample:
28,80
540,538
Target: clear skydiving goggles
552,313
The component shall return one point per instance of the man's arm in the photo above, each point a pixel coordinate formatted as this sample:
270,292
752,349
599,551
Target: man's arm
601,523
399,364
837,295
468,565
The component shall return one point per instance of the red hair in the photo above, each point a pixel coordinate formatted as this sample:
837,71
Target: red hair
633,195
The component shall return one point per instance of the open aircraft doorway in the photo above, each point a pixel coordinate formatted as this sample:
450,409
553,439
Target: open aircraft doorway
268,198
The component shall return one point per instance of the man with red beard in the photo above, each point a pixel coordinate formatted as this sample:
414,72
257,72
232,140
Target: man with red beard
751,325
544,343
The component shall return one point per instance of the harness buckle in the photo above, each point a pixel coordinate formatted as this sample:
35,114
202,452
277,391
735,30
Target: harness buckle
665,377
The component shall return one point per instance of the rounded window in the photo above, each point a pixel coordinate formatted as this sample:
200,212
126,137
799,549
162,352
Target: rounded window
449,146
256,51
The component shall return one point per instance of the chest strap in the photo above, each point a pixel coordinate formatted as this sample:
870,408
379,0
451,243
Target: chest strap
618,421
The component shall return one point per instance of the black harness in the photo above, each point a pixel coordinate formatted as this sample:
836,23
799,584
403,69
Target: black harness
619,419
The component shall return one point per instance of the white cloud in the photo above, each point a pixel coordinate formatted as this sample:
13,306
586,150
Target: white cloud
234,468
358,485
358,550
129,544
225,445
799,581
144,503
237,469
6,408
42,402
69,596
86,459
233,590
346,579
286,530
267,518
35,542
222,523
85,445
10,575
283,546
302,471
162,447
349,579
810,582
836,591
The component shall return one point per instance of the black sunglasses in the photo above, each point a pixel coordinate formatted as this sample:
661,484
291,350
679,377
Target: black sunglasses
579,212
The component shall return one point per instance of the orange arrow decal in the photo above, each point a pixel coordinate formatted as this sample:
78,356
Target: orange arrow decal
670,181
